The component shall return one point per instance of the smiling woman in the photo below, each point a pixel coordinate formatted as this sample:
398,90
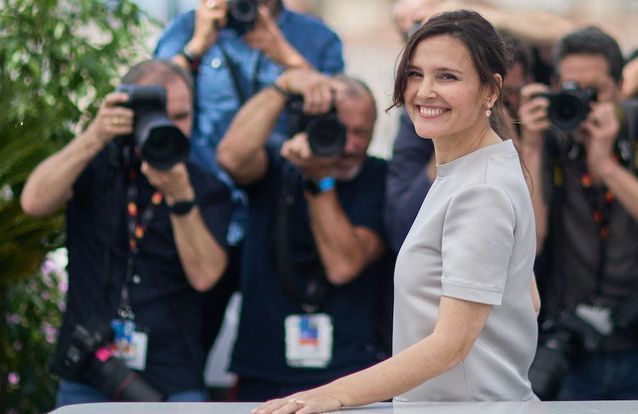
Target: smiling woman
443,90
464,319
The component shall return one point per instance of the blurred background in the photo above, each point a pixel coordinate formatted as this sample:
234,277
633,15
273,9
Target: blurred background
59,55
372,42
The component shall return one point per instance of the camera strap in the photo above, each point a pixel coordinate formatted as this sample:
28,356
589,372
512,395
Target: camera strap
310,287
114,165
554,280
137,225
235,75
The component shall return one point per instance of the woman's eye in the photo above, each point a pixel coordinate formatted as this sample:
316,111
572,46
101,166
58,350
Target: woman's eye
412,73
448,76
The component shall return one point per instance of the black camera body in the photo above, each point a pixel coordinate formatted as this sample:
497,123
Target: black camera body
242,15
326,133
569,107
567,337
160,142
87,357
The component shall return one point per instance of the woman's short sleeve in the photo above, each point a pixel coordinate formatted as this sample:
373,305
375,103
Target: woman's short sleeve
477,244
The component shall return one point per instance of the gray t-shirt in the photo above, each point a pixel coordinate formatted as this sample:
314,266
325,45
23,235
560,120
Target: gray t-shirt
473,239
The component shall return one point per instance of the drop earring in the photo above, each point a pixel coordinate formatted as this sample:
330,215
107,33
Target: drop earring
488,111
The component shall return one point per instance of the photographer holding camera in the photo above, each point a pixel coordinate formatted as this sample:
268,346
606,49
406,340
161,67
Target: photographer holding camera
310,275
235,48
145,235
579,145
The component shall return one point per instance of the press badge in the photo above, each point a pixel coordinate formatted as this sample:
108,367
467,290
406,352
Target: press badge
129,344
308,340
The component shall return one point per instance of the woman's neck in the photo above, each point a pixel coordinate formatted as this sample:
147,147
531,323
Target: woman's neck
450,147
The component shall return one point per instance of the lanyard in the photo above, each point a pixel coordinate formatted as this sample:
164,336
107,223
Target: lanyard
137,225
601,201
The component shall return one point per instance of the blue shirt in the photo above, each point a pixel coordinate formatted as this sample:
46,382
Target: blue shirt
217,100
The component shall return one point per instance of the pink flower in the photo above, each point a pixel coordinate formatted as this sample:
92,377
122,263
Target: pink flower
14,378
48,266
13,319
50,332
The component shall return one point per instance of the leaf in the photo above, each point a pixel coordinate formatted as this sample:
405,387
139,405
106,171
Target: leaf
58,59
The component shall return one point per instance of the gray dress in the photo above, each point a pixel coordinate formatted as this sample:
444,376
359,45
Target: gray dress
473,239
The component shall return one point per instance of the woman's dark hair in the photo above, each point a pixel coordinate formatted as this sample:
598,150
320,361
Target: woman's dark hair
483,43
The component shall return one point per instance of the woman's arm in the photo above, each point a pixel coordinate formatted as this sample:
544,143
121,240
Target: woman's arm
458,325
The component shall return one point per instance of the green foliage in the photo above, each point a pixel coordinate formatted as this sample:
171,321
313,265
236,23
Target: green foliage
33,311
58,58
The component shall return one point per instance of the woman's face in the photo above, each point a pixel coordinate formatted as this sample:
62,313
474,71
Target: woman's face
443,93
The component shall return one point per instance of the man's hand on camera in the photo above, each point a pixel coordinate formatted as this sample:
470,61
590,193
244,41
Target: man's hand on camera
210,18
267,37
174,183
297,151
317,89
112,119
599,132
533,114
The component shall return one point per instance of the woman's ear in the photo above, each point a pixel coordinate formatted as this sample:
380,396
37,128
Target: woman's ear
495,91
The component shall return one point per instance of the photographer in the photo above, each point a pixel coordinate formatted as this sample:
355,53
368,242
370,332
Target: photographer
309,277
235,48
144,238
578,143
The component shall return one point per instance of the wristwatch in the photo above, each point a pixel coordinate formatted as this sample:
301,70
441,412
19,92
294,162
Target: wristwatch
181,208
317,186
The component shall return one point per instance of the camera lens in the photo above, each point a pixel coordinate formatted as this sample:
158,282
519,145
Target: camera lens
568,111
244,10
570,107
242,15
326,136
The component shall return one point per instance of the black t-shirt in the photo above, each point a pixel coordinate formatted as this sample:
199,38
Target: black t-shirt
162,300
260,346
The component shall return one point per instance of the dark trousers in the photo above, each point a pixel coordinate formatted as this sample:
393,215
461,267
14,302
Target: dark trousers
602,376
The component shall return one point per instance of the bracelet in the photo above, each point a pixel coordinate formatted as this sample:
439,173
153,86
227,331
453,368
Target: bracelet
280,91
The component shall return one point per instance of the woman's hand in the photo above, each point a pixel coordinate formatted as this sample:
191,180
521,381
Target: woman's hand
317,400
